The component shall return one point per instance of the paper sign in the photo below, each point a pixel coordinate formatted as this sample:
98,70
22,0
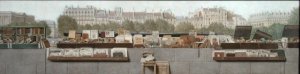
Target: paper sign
94,34
72,34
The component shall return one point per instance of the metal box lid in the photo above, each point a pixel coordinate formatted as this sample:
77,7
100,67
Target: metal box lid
290,31
242,31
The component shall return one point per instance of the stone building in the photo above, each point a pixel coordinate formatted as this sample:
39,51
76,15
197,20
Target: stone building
266,19
91,15
81,15
207,16
7,17
237,20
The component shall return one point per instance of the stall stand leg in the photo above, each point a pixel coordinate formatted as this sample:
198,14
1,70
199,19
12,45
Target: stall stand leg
149,65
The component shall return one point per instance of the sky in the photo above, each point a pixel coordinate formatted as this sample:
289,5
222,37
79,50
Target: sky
51,10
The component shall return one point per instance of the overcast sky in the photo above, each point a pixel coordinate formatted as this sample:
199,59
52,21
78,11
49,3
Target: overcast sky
50,10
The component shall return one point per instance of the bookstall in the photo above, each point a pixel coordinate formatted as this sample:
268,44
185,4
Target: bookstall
22,37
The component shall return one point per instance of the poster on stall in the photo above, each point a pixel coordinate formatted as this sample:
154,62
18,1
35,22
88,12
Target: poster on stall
109,34
86,33
138,39
94,34
72,34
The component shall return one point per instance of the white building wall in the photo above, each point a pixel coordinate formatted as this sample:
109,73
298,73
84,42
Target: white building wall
266,19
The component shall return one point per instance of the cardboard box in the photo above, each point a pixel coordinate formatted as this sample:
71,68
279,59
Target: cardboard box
138,39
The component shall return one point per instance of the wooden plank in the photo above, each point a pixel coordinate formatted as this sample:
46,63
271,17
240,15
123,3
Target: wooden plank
268,46
230,45
112,45
249,59
87,59
66,45
249,46
293,45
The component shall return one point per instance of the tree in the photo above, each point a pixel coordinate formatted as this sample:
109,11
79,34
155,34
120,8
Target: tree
129,25
96,27
294,18
276,30
44,24
203,30
139,27
112,26
150,26
103,27
218,28
157,25
80,28
164,26
184,27
88,27
66,23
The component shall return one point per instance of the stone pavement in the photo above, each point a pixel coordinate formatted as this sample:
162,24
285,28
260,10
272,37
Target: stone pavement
182,61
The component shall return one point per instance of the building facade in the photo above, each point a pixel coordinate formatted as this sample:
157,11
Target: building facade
237,20
7,17
204,17
91,15
81,15
266,19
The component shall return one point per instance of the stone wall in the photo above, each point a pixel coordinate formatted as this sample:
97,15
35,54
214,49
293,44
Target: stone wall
182,61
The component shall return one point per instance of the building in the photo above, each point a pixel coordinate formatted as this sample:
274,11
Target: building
266,19
81,15
91,15
237,20
204,17
7,17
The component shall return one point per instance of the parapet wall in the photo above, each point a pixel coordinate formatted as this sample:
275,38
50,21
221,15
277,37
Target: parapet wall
182,61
